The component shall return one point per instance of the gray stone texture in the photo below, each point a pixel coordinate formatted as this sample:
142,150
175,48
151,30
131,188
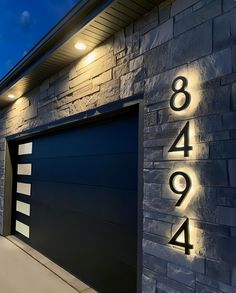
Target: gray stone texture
196,39
234,95
226,216
234,57
157,36
226,197
157,227
157,87
224,30
213,66
204,289
228,4
154,65
229,120
187,47
180,5
206,12
154,264
226,250
170,285
150,118
191,45
196,264
232,171
126,86
205,280
225,288
164,11
203,205
149,285
224,150
218,270
148,22
119,42
181,275
234,277
229,78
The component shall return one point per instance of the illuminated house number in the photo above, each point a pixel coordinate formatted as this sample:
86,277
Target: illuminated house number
183,192
179,86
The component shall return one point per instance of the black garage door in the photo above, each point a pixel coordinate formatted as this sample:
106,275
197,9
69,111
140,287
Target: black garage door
76,200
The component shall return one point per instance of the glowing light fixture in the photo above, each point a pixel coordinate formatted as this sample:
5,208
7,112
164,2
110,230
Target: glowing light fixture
80,46
11,96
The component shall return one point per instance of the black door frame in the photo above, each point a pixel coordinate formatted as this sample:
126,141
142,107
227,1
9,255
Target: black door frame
108,110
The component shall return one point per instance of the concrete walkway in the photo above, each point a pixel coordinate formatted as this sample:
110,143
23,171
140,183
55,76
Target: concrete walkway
20,273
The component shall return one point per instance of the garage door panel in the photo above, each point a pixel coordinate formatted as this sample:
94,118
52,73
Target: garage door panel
25,179
109,138
110,203
113,250
83,200
21,217
111,240
23,198
86,170
101,171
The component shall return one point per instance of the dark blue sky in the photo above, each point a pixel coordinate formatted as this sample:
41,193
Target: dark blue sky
23,23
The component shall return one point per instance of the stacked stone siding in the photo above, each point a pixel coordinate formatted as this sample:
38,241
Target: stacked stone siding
191,38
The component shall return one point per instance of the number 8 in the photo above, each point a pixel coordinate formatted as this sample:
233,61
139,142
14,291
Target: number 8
181,90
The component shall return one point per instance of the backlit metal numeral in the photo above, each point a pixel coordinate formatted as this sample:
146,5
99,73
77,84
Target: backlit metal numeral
181,188
174,187
186,244
186,148
178,92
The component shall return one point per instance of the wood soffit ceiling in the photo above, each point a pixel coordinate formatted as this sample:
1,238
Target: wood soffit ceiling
91,22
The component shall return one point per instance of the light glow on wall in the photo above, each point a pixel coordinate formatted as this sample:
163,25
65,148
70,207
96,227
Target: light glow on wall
11,96
90,58
19,101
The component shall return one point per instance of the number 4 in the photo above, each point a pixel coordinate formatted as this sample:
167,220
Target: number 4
183,229
186,147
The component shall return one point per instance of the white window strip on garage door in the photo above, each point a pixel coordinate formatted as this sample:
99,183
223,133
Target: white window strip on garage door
23,207
23,188
24,169
25,149
22,228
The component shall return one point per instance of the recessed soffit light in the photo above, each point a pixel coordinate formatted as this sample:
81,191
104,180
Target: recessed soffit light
80,46
11,96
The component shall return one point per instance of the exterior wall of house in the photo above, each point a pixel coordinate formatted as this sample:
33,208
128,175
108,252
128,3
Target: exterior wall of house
189,38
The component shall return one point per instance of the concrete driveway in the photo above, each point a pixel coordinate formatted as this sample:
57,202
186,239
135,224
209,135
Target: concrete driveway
20,273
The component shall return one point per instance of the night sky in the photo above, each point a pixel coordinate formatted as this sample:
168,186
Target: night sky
23,23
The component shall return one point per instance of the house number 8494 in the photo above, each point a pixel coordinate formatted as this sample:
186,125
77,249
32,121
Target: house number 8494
179,86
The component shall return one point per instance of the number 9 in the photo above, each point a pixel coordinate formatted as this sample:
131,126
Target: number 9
173,186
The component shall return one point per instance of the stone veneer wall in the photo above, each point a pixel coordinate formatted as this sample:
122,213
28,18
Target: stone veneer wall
195,39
